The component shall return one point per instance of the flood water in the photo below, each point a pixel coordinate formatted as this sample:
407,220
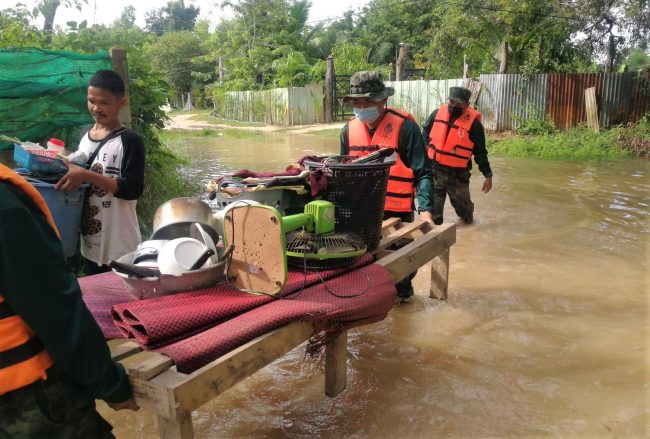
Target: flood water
544,334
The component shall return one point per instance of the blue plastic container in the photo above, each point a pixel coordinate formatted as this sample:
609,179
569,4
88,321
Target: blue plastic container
38,164
66,209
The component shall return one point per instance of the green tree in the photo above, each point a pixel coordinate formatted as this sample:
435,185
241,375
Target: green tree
609,27
178,55
172,18
126,20
636,61
48,9
16,30
350,58
523,36
292,70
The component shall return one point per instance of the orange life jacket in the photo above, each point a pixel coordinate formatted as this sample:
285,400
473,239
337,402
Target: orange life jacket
23,358
401,181
452,147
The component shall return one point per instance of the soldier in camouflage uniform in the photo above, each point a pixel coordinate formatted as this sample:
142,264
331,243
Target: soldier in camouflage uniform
454,134
54,361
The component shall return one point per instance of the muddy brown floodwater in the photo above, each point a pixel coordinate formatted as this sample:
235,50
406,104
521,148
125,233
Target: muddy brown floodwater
545,333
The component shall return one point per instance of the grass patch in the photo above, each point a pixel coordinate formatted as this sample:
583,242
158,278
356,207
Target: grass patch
208,116
328,132
244,134
170,135
575,144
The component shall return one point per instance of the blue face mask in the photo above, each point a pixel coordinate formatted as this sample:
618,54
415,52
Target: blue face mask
367,115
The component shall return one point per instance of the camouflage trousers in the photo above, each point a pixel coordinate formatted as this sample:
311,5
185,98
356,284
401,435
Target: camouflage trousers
405,286
54,408
455,183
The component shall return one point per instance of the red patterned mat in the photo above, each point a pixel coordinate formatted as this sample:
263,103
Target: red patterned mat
359,297
162,320
101,292
195,328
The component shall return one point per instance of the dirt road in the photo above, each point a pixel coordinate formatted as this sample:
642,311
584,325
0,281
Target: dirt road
186,122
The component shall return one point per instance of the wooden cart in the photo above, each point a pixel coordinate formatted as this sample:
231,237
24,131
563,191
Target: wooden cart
172,396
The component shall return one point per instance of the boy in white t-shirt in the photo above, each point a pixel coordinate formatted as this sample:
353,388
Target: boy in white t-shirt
109,227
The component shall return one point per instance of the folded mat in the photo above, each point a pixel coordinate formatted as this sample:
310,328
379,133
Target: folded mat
163,320
358,297
101,292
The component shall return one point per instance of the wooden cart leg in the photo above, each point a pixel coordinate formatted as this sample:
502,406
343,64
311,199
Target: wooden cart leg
440,276
336,352
180,428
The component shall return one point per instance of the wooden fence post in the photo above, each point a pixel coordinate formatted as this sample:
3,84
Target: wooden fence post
330,83
120,65
592,109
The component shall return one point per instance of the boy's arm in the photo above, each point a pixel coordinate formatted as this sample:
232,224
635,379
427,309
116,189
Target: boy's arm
130,183
76,176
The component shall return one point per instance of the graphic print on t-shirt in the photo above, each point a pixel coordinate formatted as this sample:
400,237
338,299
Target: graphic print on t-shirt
89,224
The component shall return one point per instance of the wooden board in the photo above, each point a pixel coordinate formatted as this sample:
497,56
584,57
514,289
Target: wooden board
258,263
592,109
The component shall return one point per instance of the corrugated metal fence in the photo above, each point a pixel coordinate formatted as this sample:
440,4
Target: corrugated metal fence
505,100
278,106
420,98
508,100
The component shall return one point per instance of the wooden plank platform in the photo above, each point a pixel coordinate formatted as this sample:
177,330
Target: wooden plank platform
172,396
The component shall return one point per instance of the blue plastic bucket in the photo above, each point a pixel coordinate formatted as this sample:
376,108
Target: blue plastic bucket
66,209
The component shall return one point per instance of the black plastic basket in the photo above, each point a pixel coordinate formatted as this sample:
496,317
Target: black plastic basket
358,192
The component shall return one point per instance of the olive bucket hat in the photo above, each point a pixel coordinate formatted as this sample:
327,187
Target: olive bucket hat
460,95
368,84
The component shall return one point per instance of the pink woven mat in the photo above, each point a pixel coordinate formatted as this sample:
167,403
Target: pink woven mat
163,320
197,327
101,292
367,295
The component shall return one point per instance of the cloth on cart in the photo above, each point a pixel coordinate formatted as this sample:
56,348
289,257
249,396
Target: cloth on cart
162,320
195,328
359,297
100,293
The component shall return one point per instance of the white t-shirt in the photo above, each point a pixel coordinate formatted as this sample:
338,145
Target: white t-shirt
109,226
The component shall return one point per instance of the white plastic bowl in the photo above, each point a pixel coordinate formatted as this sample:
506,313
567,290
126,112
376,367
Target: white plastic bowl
177,256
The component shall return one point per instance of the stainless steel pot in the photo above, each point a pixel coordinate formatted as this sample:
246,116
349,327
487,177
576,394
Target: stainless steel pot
163,284
173,218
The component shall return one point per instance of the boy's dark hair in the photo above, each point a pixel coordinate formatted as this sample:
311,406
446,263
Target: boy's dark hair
108,80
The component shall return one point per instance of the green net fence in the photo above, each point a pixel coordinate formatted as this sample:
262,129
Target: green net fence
43,92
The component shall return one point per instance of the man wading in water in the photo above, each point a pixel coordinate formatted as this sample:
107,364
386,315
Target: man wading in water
376,126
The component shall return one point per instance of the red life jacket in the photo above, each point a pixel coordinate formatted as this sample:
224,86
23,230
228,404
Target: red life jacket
401,181
23,357
452,147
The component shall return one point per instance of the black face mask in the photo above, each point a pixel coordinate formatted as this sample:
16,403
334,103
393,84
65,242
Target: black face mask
454,111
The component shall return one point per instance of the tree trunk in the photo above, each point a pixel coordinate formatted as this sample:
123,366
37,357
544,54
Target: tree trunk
49,12
611,54
330,84
402,59
503,68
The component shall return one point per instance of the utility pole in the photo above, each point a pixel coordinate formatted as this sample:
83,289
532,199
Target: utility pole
220,71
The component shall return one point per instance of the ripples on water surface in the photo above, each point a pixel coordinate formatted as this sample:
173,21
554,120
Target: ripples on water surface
545,332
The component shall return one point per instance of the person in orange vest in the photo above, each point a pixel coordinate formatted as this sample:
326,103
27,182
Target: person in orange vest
454,134
54,361
376,126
